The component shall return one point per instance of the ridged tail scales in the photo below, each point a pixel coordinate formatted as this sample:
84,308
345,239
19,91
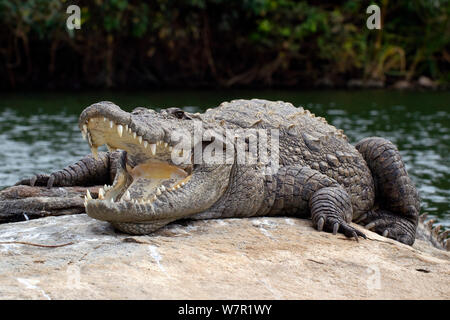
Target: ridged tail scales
397,202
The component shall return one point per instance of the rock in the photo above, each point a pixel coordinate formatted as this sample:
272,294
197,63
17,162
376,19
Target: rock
325,82
402,85
253,258
369,83
426,82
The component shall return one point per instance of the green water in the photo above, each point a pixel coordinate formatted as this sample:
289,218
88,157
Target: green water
39,133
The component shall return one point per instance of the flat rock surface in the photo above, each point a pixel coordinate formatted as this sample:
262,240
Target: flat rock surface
256,258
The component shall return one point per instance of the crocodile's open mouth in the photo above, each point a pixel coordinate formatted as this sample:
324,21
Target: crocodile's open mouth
146,172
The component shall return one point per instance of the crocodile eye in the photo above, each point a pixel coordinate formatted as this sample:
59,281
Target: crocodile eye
179,114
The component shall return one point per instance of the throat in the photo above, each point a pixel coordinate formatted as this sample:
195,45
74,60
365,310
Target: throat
158,171
150,179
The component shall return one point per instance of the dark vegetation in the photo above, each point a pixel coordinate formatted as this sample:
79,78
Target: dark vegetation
144,44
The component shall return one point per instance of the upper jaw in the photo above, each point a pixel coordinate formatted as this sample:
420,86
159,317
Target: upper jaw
105,123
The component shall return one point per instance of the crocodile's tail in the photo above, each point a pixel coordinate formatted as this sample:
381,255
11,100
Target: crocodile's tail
397,205
394,189
430,233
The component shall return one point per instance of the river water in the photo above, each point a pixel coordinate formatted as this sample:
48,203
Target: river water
39,133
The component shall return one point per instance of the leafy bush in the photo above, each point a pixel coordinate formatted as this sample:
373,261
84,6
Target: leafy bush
220,42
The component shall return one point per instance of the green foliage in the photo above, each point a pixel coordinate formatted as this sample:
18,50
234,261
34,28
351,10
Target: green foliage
225,42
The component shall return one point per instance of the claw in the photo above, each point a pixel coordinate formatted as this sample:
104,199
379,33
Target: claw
370,225
320,223
335,228
33,181
50,181
361,218
355,235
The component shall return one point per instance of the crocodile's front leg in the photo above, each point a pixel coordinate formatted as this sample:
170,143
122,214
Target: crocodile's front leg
301,190
21,202
85,172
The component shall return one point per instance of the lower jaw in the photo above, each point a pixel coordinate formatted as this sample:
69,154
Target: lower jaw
120,211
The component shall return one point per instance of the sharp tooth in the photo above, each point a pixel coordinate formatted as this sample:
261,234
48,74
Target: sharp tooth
104,119
88,194
127,196
153,148
163,188
84,128
134,135
83,134
165,144
140,139
101,193
94,151
111,200
145,144
158,192
120,130
126,128
111,124
89,139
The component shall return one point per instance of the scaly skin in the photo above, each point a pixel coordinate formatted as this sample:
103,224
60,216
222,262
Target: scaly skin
321,175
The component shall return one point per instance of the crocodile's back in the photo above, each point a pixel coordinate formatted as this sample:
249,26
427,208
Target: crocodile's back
305,140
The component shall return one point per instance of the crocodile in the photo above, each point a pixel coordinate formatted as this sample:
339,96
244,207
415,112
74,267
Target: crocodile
310,171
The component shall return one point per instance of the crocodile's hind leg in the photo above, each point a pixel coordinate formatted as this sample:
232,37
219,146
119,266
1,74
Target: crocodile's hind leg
302,189
397,200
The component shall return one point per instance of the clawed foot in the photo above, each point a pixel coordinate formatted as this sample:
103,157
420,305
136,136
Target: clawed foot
335,225
389,226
